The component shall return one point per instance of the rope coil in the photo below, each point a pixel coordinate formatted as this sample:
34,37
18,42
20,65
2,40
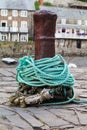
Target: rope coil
49,75
44,72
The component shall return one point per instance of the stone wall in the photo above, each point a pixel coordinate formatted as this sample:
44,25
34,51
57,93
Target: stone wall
69,47
16,49
64,47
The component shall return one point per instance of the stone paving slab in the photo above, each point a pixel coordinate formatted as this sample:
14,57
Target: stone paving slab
49,118
26,115
3,127
62,117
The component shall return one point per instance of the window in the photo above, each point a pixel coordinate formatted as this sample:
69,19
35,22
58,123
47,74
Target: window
63,21
14,24
85,22
14,37
79,22
23,13
14,13
4,37
23,38
23,24
4,23
4,12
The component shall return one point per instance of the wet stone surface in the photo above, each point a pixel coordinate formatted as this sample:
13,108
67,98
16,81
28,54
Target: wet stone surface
59,117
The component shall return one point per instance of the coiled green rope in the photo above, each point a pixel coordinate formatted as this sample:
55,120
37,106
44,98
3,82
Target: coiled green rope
46,72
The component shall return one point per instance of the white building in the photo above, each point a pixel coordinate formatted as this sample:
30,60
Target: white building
71,23
16,20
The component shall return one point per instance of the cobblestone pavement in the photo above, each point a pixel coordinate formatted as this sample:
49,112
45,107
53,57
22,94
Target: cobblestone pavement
61,117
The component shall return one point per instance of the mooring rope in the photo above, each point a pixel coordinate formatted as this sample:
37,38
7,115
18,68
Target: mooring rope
52,72
44,72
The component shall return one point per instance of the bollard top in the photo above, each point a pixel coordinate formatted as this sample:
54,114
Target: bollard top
44,12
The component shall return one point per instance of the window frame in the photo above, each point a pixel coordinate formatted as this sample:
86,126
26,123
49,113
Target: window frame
14,13
14,24
23,13
23,38
3,37
14,37
4,12
3,21
24,24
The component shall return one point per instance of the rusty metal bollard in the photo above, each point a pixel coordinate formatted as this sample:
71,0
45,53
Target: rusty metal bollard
44,30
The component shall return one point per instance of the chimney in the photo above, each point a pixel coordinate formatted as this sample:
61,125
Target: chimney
41,2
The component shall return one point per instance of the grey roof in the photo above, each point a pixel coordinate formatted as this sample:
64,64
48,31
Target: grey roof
67,13
17,4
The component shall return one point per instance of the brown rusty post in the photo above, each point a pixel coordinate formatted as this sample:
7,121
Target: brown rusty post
44,30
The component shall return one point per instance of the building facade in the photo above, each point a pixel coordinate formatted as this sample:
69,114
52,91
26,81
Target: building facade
16,20
71,23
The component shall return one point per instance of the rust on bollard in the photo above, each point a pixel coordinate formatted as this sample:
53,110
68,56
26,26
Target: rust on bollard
44,30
